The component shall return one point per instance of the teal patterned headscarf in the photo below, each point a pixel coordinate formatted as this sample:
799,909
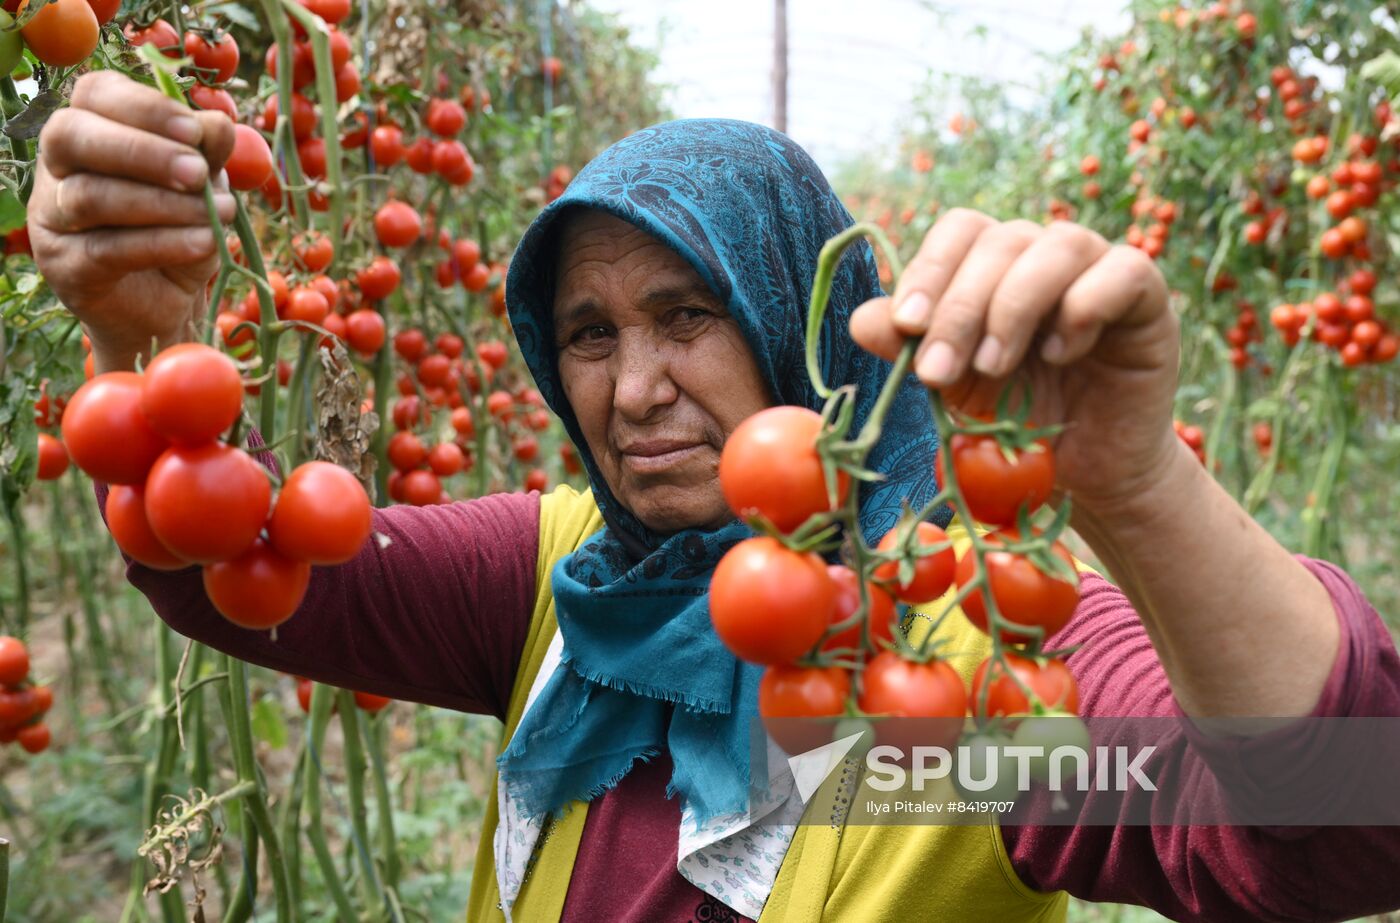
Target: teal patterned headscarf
642,667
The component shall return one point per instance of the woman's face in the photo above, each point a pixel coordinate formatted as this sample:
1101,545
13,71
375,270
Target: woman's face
654,367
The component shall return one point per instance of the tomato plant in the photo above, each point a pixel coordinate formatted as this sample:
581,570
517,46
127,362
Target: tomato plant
770,604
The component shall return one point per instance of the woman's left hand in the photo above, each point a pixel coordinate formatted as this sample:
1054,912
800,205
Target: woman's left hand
1087,322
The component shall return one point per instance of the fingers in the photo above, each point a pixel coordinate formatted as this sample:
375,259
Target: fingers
928,274
80,141
1123,287
1029,291
122,100
133,249
83,201
959,316
216,139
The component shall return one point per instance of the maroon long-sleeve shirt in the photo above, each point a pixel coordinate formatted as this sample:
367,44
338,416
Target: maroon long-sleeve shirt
439,613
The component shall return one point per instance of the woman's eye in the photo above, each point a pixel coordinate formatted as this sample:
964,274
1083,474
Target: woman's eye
591,332
691,314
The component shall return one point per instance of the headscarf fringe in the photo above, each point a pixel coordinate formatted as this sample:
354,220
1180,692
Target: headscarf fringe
623,684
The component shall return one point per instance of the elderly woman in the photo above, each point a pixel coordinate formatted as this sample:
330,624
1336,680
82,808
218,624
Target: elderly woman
659,303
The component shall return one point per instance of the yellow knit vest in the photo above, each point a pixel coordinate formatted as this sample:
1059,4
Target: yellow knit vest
868,874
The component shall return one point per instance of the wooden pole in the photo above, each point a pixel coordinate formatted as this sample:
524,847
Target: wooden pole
780,64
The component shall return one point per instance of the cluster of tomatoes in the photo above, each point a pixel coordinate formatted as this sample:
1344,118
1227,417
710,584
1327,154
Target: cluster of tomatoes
23,703
835,648
180,496
60,34
365,701
1345,322
1193,436
439,376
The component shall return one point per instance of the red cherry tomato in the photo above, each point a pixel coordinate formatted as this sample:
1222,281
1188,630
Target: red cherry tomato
1052,683
769,604
207,503
250,165
368,701
106,431
1023,593
218,58
258,589
993,487
792,692
322,515
880,617
770,466
192,393
14,661
933,573
53,458
126,520
397,224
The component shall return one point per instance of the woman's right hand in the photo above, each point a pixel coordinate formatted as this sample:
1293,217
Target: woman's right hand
117,219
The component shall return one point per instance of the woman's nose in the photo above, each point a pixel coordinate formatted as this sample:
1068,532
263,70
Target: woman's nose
642,382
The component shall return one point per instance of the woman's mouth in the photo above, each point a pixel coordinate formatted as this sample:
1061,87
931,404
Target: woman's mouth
653,456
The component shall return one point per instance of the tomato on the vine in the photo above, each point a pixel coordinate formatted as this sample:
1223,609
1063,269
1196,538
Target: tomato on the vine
1023,593
933,573
770,466
994,487
880,616
770,604
107,433
250,164
397,224
220,57
126,520
14,660
1052,683
192,393
53,458
259,588
322,515
62,33
208,502
793,692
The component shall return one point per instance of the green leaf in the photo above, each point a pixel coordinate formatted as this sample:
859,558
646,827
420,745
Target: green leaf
267,723
27,125
12,212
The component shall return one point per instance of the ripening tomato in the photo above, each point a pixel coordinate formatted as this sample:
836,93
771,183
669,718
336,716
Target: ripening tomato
933,573
307,305
406,451
419,155
552,68
899,688
993,487
61,34
450,160
536,479
1052,683
466,254
1362,281
364,331
770,466
14,660
770,604
303,116
347,83
386,145
446,458
35,738
1333,244
258,589
250,165
104,10
53,458
332,11
312,154
368,701
106,431
379,279
492,353
214,99
126,520
477,278
446,117
1023,593
218,58
880,616
397,224
340,49
207,503
322,515
421,488
789,692
304,690
192,393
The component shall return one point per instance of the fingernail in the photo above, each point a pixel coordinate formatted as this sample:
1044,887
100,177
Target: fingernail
988,358
185,129
936,367
913,311
1053,350
201,241
190,171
